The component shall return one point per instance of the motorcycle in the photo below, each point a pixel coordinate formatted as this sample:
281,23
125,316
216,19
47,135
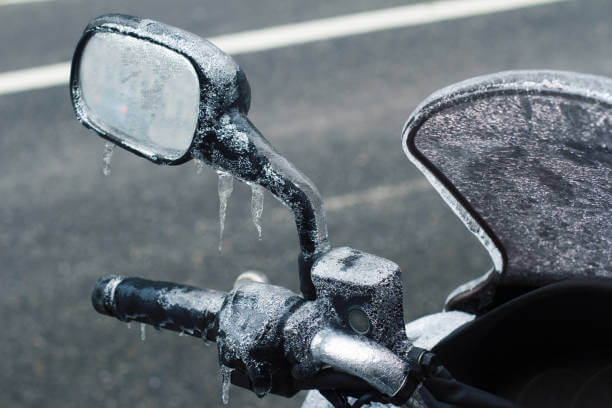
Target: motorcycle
521,157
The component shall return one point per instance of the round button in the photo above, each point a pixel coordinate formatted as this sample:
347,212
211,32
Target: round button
358,321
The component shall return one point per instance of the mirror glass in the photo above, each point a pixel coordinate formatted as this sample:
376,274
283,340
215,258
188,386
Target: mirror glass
140,93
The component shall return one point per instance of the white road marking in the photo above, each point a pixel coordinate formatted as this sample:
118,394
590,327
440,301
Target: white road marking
376,194
34,78
9,2
366,22
299,33
369,196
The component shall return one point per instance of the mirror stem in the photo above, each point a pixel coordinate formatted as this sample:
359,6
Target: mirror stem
236,146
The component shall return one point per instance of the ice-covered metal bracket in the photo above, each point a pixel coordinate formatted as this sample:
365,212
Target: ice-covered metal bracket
279,342
170,96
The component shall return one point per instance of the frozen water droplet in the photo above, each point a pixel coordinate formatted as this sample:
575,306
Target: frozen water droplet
129,325
226,186
199,165
257,198
109,149
226,377
143,332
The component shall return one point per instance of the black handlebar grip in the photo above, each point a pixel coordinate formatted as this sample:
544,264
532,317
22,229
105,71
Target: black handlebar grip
165,305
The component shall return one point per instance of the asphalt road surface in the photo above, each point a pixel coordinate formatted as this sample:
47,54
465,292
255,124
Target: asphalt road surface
335,108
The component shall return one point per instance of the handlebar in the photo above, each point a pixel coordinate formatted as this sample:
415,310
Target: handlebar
346,362
165,305
194,311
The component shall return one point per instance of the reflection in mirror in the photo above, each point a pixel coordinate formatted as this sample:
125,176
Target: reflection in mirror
140,93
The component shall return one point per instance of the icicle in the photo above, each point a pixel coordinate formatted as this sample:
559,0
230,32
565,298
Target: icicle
257,198
129,325
199,165
226,186
226,377
109,148
207,342
143,332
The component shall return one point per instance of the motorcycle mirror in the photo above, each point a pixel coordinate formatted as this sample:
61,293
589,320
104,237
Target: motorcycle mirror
523,158
170,96
151,88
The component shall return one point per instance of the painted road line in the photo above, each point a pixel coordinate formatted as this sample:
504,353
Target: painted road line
11,2
298,33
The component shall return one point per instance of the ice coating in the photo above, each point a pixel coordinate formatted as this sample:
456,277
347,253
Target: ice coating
360,356
225,188
226,378
218,67
257,202
560,181
269,333
314,399
224,76
107,156
199,165
235,146
529,81
464,215
141,93
181,308
185,298
429,330
211,79
582,85
473,296
533,169
250,322
347,273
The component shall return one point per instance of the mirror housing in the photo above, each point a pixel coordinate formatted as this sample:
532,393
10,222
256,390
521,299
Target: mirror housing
222,84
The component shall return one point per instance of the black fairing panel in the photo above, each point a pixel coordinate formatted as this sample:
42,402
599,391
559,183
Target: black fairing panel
524,159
